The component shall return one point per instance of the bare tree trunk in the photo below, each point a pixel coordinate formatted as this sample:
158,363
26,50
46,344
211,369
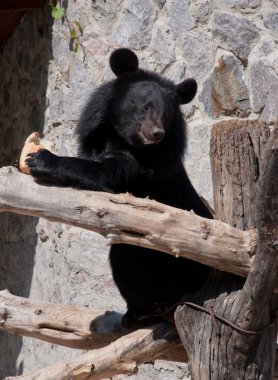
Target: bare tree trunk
245,350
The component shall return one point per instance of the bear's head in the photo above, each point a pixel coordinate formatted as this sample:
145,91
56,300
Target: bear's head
146,105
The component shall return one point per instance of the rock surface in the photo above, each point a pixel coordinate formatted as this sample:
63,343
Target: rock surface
263,80
235,33
228,87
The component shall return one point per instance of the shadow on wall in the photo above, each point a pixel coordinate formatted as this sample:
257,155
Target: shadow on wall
24,63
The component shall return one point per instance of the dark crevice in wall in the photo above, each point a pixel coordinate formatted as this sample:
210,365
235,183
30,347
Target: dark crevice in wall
24,67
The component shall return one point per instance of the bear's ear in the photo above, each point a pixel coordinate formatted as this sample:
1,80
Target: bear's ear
123,61
186,90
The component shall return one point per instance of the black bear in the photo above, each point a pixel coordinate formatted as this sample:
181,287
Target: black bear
132,138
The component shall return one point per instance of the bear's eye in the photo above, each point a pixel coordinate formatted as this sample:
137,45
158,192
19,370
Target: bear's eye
146,107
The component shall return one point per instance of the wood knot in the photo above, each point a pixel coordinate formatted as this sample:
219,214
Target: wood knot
176,252
101,212
275,244
3,316
205,230
82,209
111,239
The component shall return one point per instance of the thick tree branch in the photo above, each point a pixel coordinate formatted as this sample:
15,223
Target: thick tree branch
121,356
67,325
78,327
123,218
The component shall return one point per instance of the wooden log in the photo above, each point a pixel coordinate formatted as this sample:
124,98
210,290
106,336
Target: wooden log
121,356
245,349
66,325
123,218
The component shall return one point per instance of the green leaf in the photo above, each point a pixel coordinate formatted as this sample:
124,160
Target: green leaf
76,46
58,13
77,23
72,34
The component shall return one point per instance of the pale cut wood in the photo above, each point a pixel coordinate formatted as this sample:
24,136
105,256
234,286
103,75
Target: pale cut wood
123,218
121,356
66,325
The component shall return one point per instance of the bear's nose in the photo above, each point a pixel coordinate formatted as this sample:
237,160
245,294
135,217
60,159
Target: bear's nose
158,134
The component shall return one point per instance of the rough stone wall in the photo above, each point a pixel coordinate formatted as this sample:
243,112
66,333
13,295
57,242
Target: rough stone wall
229,46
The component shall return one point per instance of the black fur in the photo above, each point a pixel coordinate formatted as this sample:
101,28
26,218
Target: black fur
131,137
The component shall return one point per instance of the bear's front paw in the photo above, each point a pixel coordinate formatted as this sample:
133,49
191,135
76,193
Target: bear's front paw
42,164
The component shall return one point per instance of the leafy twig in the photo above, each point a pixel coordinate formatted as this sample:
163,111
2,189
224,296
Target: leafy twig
75,30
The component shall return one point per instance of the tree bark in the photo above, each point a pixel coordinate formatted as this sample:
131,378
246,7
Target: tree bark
216,350
123,218
236,158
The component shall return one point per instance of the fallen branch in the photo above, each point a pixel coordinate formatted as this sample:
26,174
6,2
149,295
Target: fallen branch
66,325
121,356
123,218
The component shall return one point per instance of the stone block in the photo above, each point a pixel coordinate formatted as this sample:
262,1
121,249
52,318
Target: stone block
270,111
262,78
234,33
81,86
271,22
228,88
162,52
197,160
200,10
180,19
205,96
105,13
60,50
198,54
134,25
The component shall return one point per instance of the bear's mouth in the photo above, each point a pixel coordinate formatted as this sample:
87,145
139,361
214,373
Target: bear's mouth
145,140
151,134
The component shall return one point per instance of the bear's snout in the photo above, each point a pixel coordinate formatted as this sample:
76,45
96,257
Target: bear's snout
151,133
157,134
